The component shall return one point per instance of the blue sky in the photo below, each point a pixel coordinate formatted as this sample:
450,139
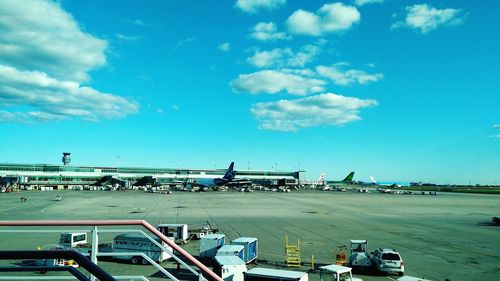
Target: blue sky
398,90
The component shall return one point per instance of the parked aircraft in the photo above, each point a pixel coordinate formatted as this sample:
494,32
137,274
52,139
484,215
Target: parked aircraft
373,181
320,181
227,180
330,185
347,180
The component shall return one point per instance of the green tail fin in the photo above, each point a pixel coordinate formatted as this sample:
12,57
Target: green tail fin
349,177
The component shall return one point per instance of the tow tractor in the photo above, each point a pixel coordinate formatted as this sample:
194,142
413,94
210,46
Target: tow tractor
358,255
340,273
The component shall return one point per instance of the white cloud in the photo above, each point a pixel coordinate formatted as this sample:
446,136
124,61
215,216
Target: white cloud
127,37
54,99
269,58
335,17
425,18
225,47
363,2
184,42
342,77
141,23
267,31
284,57
252,6
44,58
320,110
175,107
272,81
496,126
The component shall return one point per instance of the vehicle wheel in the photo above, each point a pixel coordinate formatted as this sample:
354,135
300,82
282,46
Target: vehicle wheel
401,273
144,261
135,260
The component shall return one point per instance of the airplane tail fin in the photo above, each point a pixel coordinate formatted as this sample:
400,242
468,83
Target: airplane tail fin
229,173
349,177
321,179
373,180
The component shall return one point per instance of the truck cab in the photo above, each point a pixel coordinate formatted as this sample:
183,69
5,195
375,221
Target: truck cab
73,240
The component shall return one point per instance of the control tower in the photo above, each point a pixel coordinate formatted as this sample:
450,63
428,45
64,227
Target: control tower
66,158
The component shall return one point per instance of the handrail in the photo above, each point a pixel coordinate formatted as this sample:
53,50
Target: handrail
209,273
58,254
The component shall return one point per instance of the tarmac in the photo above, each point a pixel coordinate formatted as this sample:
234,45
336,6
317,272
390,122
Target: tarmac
448,235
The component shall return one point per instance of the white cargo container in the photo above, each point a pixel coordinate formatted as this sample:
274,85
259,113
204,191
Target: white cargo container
139,243
231,250
210,243
337,273
230,268
250,251
267,274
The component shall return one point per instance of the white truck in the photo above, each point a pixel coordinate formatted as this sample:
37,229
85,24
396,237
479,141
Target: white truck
139,243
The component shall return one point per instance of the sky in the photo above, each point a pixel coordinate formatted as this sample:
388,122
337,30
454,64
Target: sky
397,90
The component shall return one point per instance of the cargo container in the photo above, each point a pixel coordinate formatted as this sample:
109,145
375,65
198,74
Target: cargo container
267,274
231,250
175,230
230,268
210,243
250,248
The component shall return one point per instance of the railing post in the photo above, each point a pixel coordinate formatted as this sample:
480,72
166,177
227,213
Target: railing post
95,247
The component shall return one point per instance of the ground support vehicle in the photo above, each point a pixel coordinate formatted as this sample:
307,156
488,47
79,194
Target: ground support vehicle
139,243
338,272
388,261
358,255
54,262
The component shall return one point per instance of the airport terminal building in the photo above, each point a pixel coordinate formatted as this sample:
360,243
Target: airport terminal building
67,176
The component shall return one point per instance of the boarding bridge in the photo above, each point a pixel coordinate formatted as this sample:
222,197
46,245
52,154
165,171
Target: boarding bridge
111,180
95,227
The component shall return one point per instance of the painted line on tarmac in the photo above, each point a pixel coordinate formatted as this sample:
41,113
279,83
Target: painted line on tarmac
391,278
13,207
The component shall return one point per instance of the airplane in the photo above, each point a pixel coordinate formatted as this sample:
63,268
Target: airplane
392,184
320,181
347,180
227,180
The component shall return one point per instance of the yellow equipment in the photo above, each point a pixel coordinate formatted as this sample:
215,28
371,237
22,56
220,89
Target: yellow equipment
340,255
292,253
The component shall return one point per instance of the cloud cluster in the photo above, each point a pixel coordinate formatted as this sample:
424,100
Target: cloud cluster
320,110
55,99
424,18
283,71
284,57
267,31
363,2
339,76
44,58
330,18
274,81
253,6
